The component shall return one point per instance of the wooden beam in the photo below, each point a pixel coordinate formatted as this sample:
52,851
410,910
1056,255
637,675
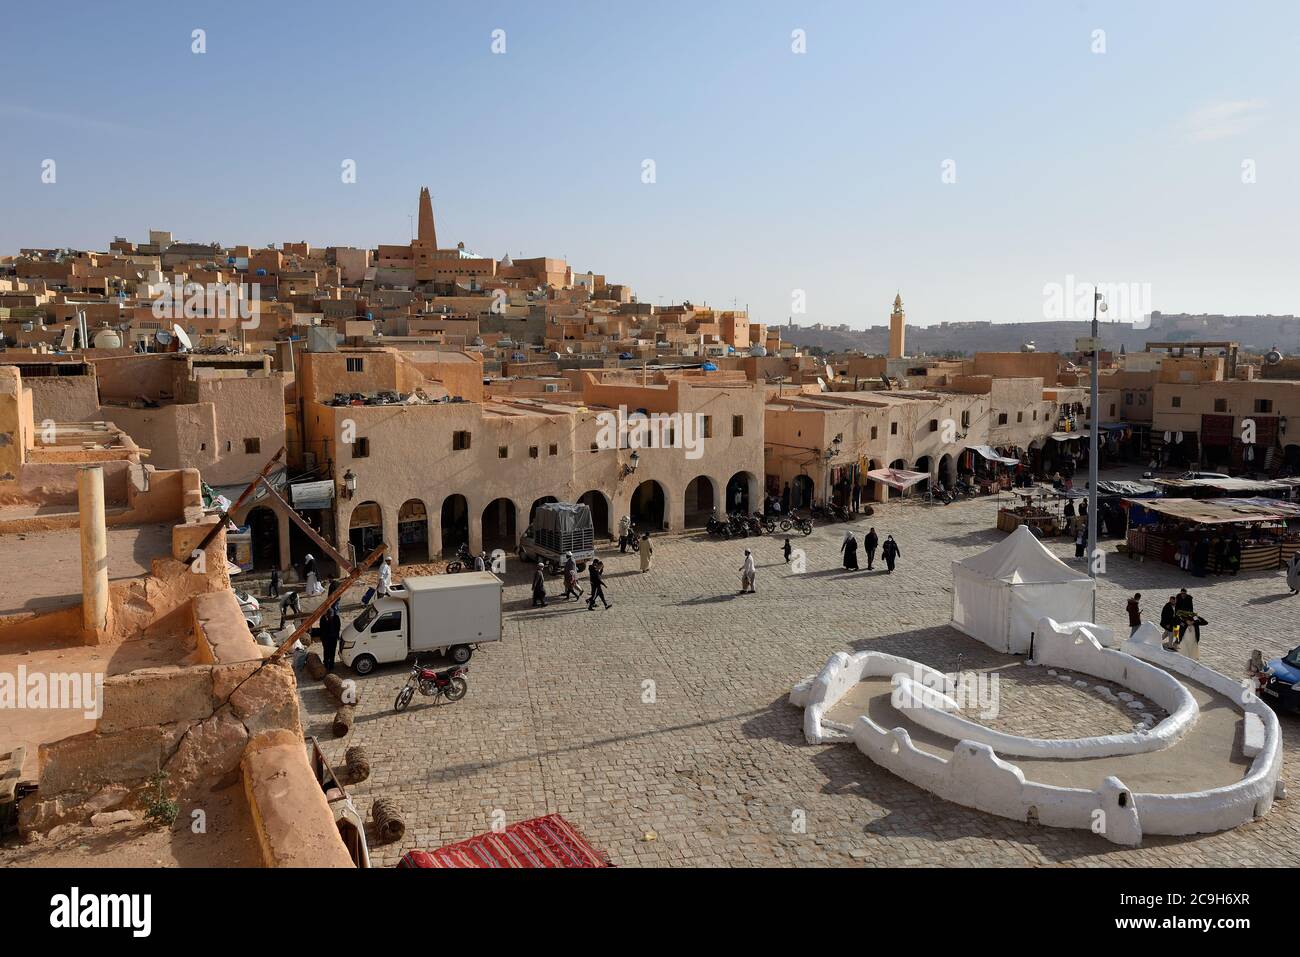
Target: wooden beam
277,502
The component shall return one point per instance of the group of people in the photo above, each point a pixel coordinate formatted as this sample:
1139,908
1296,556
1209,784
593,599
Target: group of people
870,542
572,589
1177,618
1209,553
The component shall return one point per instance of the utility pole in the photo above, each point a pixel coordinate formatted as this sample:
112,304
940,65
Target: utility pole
1093,444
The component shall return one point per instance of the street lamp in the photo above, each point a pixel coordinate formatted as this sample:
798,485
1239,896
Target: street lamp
630,468
1098,305
349,484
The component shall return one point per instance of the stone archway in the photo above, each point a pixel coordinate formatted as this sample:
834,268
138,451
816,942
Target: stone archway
498,525
455,523
700,501
596,501
649,506
264,538
740,494
365,529
801,492
412,532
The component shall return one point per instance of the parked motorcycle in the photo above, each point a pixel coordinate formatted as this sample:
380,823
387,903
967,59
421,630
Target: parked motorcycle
462,561
449,683
802,524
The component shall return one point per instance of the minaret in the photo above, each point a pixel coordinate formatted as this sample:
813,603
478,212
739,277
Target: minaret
426,235
897,324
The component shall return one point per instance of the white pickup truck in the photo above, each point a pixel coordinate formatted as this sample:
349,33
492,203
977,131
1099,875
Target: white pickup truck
441,614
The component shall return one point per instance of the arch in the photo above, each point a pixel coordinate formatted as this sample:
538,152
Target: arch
544,500
1291,458
742,493
264,538
947,470
801,491
365,529
870,487
924,464
498,524
700,501
599,505
454,523
412,532
649,506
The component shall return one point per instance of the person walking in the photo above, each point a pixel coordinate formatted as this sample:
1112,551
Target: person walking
787,550
385,577
870,542
331,626
1081,539
1293,574
857,496
889,551
849,548
539,586
1186,610
647,552
624,528
596,577
1134,614
748,572
571,587
274,590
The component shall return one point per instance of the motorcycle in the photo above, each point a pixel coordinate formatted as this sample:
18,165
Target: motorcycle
462,561
801,524
717,526
766,523
449,683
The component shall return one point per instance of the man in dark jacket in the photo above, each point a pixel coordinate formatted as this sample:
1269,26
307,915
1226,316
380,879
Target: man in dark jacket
871,541
1169,623
331,626
889,551
1187,612
1134,613
596,573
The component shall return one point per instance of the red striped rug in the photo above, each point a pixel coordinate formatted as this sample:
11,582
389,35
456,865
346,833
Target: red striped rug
548,841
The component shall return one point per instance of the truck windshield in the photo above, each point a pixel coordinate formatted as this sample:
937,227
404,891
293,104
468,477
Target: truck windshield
365,618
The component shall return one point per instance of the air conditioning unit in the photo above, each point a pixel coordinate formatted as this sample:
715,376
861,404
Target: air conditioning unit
551,387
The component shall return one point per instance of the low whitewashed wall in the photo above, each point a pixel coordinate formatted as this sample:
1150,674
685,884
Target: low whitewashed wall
976,777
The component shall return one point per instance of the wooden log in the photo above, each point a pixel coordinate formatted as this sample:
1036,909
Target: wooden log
343,719
334,685
315,667
389,823
358,764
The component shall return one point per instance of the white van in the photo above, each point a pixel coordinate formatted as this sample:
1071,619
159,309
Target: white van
441,614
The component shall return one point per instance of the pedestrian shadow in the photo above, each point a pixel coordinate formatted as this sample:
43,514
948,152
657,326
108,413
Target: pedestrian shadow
708,599
1269,599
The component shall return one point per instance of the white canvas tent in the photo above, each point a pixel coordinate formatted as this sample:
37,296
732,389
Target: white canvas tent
999,595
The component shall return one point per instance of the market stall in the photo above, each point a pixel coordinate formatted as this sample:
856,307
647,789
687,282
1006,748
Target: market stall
1039,506
1209,536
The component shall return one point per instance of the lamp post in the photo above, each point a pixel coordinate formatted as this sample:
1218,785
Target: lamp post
349,483
1098,304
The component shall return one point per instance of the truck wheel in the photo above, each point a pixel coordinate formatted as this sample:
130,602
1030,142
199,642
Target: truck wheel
460,654
363,664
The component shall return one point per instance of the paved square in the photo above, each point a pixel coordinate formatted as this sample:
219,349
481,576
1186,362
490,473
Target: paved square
660,728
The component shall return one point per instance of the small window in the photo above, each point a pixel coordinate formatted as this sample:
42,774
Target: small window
1035,415
595,447
934,425
893,428
252,446
532,451
1263,405
459,441
356,364
737,425
361,449
1020,416
1002,418
1112,410
1142,398
965,419
503,451
1220,405
706,426
203,446
554,449
873,433
388,621
1176,401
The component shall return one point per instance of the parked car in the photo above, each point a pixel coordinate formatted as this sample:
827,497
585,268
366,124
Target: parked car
1282,687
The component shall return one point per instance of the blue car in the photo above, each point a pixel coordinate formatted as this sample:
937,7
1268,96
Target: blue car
1282,690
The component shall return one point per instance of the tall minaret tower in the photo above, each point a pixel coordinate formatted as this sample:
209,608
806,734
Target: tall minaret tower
426,235
897,325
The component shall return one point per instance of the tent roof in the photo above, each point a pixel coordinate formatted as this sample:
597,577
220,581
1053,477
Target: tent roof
1020,557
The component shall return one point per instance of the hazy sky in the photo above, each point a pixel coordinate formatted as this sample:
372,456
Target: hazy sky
775,171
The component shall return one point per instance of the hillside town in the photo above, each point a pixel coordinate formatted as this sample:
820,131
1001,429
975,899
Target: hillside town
226,470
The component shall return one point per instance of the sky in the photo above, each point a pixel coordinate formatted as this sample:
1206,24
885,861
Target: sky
967,155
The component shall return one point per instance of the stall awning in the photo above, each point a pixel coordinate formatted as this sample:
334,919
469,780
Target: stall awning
1068,436
1227,484
312,494
1217,511
897,478
992,455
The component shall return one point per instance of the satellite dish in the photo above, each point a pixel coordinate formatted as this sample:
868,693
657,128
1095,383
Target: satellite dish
182,338
1273,357
162,337
569,349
